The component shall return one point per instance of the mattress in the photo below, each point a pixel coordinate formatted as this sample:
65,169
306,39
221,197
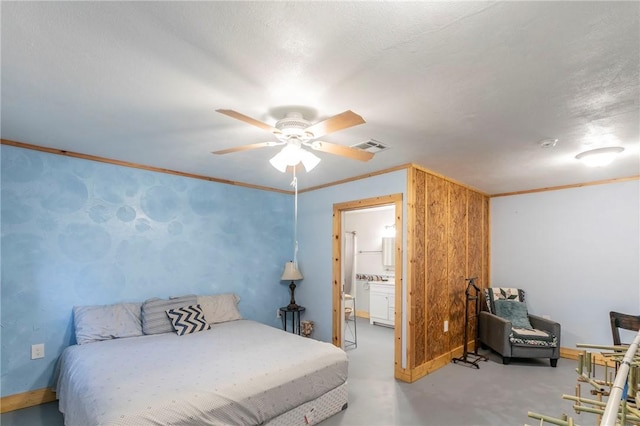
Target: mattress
239,372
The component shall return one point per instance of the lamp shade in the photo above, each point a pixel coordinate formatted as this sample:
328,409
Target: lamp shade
291,273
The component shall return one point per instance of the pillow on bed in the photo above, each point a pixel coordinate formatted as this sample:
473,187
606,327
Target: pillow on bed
105,322
187,319
220,307
154,313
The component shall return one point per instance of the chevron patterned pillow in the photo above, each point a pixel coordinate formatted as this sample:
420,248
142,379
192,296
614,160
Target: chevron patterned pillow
187,319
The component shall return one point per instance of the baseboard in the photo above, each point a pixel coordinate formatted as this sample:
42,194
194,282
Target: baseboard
26,399
411,375
362,314
429,367
570,353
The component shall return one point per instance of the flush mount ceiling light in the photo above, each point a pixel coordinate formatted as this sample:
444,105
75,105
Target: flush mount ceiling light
599,157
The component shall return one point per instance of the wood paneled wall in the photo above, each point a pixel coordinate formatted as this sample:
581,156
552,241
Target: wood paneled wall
435,281
448,242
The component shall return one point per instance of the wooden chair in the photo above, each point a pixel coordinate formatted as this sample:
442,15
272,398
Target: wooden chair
624,321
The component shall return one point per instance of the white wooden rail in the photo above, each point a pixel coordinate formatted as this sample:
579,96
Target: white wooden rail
610,416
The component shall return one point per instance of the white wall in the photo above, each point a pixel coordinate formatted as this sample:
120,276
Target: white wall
576,253
369,225
315,221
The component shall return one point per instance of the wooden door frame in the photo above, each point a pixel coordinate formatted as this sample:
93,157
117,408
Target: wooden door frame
338,209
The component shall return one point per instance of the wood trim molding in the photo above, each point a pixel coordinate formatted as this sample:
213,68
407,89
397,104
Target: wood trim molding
575,185
409,245
337,229
136,166
362,314
435,364
336,313
570,353
266,188
411,375
365,176
26,399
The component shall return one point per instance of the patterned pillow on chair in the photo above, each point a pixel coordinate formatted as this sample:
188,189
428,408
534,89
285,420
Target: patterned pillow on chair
188,319
502,293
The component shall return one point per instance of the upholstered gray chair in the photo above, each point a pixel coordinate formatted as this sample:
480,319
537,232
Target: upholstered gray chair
507,328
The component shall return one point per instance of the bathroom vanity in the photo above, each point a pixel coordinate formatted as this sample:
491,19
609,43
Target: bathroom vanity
382,302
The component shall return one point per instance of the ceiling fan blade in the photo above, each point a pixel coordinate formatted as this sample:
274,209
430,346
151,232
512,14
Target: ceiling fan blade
246,147
345,151
335,123
234,114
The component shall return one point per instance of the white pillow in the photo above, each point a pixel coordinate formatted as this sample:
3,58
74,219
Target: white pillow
105,322
188,319
220,307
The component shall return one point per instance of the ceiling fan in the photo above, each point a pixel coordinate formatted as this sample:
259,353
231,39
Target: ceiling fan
294,132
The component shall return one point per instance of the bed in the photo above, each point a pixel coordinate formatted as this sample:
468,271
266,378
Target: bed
237,372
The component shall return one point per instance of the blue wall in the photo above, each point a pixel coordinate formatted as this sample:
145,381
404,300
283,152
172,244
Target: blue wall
77,232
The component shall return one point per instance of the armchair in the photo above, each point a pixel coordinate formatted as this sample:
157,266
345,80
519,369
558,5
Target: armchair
507,328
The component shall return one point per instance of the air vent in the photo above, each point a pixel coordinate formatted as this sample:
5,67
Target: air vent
371,145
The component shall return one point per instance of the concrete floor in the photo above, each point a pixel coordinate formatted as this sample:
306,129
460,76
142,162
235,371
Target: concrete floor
455,395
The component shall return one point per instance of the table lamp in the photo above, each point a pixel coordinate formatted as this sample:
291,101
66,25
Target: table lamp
291,273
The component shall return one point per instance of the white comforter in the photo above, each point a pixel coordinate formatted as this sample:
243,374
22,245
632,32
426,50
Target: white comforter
240,372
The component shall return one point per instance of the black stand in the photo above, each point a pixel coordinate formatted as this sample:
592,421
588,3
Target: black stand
292,303
467,358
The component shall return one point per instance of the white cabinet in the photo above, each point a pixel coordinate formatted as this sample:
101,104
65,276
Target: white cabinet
382,302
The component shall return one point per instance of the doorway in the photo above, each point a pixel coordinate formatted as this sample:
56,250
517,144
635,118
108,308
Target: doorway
339,236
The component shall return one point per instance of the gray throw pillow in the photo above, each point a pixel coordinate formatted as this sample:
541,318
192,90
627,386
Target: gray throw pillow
154,313
514,312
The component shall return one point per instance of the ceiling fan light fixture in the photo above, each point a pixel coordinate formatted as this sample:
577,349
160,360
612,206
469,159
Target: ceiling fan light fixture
295,132
309,160
599,157
292,155
279,161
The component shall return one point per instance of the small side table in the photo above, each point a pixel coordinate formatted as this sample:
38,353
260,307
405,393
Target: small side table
295,318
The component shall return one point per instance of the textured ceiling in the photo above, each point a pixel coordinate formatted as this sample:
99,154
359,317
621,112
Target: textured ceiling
466,89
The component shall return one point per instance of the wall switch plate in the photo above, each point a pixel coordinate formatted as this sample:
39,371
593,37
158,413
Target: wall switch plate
278,313
37,351
446,326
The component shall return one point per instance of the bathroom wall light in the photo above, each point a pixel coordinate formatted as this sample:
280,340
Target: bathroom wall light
599,157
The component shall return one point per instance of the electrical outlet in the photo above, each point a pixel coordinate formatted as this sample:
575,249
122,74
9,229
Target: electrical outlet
278,314
446,326
37,351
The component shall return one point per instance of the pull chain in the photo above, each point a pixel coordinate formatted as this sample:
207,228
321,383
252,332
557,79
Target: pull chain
294,183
